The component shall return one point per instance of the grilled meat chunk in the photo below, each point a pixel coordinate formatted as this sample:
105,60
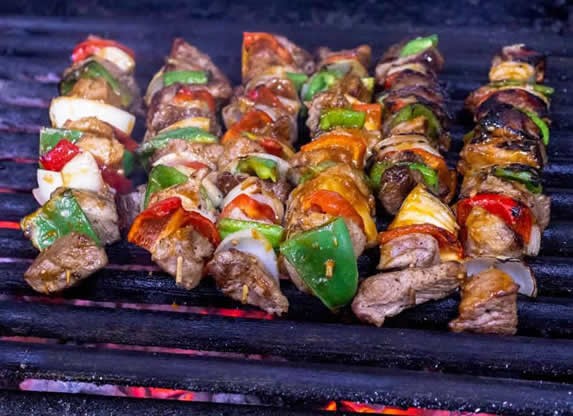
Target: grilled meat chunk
397,182
183,255
129,207
488,234
101,212
411,250
207,153
387,294
242,277
69,260
488,305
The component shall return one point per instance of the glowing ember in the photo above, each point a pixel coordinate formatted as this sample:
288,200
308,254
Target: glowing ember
12,225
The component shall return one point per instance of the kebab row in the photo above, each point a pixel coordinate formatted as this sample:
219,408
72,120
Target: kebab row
253,171
216,206
502,210
329,217
85,157
420,253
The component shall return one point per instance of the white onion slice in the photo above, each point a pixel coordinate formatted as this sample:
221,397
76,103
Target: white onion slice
48,182
154,86
532,248
214,193
254,243
178,159
118,57
202,123
82,172
63,109
251,188
519,271
249,184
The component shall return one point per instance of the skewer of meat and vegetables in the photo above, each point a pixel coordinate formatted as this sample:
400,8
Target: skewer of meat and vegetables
228,195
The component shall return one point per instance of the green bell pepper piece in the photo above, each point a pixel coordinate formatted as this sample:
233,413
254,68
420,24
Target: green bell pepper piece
541,124
193,134
128,162
324,259
418,45
297,79
49,137
542,89
263,168
321,81
312,171
342,117
429,175
416,110
185,77
273,233
376,173
521,174
162,177
93,69
61,215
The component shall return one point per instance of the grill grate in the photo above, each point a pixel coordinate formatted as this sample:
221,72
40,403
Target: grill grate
313,356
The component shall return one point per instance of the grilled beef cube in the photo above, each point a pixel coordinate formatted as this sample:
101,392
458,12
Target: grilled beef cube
486,181
488,305
129,207
183,255
101,211
397,182
410,250
243,277
69,260
487,234
521,97
387,294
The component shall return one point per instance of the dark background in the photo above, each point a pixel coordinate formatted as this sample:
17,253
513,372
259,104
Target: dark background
555,15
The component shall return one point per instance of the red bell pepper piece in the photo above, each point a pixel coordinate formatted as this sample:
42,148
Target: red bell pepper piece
251,208
61,154
515,214
332,203
126,140
92,44
186,93
116,180
264,95
165,217
272,146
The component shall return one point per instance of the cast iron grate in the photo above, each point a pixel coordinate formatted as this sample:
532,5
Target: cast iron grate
312,355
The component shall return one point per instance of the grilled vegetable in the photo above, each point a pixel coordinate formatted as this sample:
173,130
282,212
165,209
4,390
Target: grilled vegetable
61,215
324,260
